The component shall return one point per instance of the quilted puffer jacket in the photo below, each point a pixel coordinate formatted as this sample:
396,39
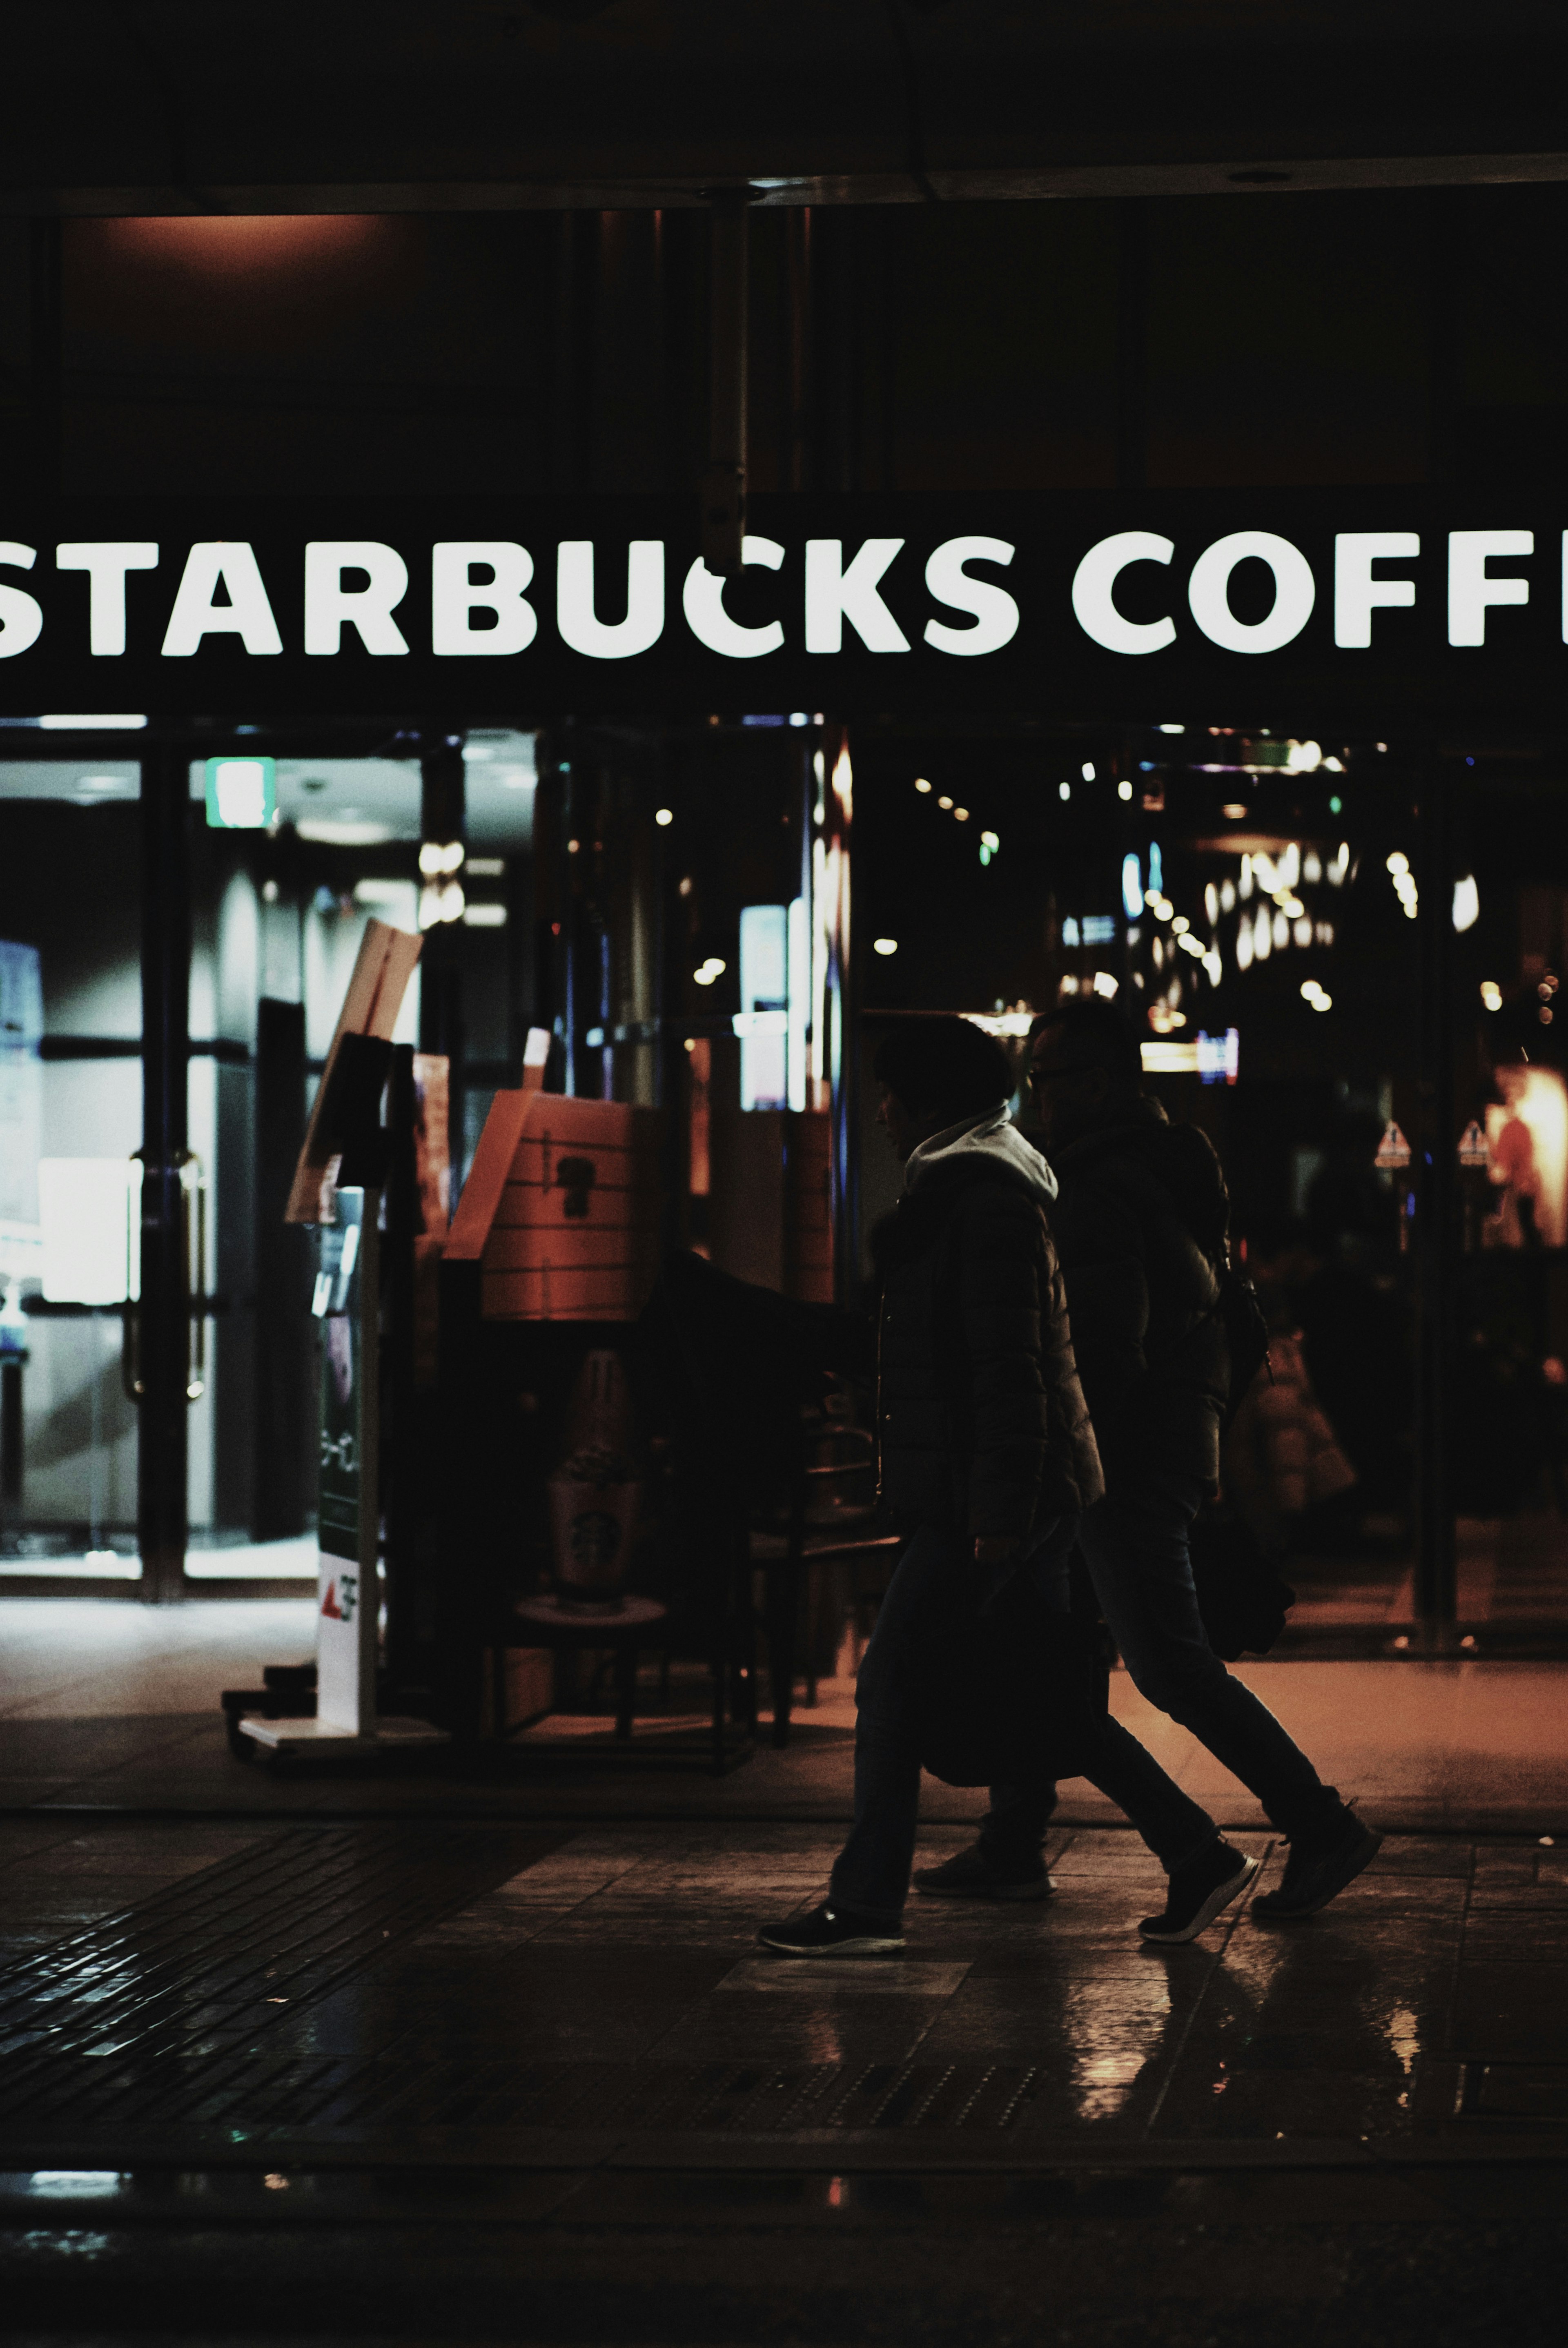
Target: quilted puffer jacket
981,1421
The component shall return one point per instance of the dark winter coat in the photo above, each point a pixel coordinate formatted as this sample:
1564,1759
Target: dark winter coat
1140,1222
981,1421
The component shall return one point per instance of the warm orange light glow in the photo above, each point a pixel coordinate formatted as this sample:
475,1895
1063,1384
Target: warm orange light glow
1527,1137
237,283
243,245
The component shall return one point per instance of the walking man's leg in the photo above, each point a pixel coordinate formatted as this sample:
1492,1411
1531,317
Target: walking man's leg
1207,1873
864,1908
1138,1556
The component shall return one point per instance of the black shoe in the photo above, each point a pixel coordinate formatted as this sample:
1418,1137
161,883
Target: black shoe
1318,1867
829,1931
974,1874
1199,1891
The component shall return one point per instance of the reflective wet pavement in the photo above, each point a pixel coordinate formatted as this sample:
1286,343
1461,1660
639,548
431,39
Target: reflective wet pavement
395,2074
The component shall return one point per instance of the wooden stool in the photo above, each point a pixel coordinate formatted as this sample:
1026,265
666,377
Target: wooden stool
624,1628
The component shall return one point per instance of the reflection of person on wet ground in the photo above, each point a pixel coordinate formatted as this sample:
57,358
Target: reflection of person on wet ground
1140,1221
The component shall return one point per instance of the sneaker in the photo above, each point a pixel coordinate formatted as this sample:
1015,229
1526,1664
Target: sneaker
1319,1866
974,1874
829,1931
1199,1891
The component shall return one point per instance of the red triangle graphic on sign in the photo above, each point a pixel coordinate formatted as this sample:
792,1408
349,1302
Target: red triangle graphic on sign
329,1605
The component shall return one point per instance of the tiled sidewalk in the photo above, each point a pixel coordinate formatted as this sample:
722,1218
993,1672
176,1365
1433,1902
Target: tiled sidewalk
393,2082
610,1992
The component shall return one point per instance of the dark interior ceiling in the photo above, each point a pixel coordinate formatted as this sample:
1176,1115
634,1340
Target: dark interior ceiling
150,106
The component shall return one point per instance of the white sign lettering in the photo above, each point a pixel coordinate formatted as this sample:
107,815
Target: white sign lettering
1357,594
834,595
329,605
995,612
701,600
1209,591
21,621
1093,585
247,614
455,597
575,617
105,562
1470,591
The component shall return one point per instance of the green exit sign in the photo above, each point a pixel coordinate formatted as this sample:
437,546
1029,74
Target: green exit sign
241,793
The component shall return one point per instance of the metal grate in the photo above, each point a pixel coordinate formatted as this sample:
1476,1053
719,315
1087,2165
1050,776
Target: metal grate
395,2094
152,2014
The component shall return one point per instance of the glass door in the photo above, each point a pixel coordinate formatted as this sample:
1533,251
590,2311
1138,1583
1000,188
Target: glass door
70,1122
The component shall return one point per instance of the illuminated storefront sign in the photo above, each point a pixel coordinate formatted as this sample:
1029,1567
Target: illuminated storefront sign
1130,605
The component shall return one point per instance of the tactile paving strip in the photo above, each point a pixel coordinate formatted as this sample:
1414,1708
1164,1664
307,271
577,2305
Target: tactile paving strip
152,2014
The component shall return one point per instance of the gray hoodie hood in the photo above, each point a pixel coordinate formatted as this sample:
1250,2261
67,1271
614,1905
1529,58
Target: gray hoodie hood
993,1137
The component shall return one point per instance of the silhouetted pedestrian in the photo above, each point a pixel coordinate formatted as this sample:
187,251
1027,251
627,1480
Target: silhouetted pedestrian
1140,1220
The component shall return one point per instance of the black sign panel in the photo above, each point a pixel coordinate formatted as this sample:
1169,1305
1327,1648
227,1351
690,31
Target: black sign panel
1276,606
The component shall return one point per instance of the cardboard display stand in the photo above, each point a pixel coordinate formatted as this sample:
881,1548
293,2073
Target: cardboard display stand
337,1187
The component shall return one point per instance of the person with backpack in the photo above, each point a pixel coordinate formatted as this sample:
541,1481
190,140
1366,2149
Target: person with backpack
987,1460
1164,1332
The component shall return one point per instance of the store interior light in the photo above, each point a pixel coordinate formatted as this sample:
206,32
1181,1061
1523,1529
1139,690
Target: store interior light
1124,789
438,857
884,945
662,815
960,815
1064,790
441,901
344,831
1235,809
921,784
1170,729
99,724
1466,902
1491,995
1089,774
944,801
714,967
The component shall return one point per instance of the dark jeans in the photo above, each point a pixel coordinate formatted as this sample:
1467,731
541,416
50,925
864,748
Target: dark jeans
872,1872
873,1869
1136,1550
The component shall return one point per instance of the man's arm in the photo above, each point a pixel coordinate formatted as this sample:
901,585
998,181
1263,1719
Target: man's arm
1099,1245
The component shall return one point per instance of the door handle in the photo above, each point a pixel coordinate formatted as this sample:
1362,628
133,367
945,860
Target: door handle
193,1267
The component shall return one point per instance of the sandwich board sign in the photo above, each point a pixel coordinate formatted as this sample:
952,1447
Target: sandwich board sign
337,1188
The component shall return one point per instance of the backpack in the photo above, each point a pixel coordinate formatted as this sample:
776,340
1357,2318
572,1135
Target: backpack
1246,1334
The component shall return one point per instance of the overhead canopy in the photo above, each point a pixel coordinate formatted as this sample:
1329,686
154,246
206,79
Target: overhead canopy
393,104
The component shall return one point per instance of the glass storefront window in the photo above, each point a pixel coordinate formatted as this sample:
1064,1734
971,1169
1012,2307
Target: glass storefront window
70,1122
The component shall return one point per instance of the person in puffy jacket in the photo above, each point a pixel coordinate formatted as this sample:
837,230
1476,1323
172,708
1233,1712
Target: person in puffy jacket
986,1454
1140,1221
